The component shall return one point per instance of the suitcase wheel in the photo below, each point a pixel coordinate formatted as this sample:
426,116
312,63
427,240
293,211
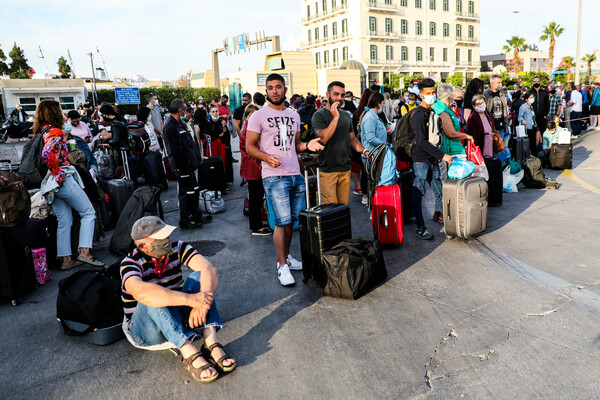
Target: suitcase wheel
449,237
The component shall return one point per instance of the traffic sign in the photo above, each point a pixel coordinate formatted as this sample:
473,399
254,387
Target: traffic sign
127,95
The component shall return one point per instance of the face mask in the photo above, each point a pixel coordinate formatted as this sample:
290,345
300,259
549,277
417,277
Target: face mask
67,128
411,102
430,99
531,100
156,103
161,247
458,103
183,117
536,85
405,98
480,108
214,118
552,132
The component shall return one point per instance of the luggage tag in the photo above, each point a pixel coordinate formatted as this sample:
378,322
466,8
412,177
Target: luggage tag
283,136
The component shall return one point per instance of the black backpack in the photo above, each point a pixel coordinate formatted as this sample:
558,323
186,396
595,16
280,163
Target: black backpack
89,298
307,132
403,137
138,138
32,168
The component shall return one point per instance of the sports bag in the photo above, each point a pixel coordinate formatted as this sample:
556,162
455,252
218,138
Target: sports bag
211,201
353,267
138,138
15,203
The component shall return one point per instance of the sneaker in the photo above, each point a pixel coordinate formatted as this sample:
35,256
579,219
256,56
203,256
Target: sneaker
206,219
294,264
264,231
573,137
285,276
364,201
358,192
191,225
424,234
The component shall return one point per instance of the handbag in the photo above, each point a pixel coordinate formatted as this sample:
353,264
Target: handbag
211,201
498,143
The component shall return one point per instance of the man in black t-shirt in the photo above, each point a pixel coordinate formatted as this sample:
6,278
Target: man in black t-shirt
496,103
238,115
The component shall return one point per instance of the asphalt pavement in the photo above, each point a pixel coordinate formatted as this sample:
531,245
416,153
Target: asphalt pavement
513,314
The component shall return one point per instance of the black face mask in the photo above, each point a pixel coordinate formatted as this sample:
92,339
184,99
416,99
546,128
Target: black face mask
536,85
458,103
553,91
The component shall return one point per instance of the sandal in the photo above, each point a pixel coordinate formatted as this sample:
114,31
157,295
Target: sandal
92,261
197,372
66,267
207,353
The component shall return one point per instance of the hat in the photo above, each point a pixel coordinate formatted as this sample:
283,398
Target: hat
151,227
597,83
200,98
107,109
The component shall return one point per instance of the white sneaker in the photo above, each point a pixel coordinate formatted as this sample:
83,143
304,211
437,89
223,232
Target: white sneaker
364,201
294,264
285,276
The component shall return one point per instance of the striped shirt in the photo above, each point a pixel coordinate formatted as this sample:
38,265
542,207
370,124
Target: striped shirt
166,273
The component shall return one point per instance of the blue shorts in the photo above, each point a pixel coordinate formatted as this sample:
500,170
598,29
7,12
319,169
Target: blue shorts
285,195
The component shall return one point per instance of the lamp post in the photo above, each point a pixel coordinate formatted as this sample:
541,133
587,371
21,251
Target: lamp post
577,56
95,91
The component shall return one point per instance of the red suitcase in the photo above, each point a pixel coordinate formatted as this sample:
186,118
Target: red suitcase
386,215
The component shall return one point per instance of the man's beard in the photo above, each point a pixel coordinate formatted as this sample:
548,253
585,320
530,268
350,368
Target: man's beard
276,103
340,103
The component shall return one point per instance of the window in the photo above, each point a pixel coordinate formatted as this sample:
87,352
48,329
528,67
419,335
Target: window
325,32
403,3
345,53
373,24
432,29
459,6
316,34
333,4
334,29
404,27
446,6
419,28
445,54
326,57
309,36
404,54
471,31
471,7
308,11
457,56
67,103
373,52
458,31
419,54
418,4
318,59
432,4
432,54
27,103
389,52
388,2
316,8
389,28
470,56
335,55
324,5
344,26
446,29
373,78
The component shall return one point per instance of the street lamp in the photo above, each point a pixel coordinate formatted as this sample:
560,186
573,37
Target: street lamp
578,60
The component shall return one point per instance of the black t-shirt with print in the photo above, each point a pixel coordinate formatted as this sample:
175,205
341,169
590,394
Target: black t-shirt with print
497,110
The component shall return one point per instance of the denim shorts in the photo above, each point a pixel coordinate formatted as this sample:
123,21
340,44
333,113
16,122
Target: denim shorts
285,195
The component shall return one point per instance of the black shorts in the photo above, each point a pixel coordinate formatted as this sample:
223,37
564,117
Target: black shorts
595,110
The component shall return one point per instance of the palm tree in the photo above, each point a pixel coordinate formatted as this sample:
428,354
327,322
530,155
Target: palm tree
515,43
551,32
589,59
568,64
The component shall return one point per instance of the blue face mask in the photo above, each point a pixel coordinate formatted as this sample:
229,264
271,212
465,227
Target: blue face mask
67,128
156,103
430,99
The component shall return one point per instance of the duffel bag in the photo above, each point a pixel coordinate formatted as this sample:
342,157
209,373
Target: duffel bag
211,201
353,267
15,203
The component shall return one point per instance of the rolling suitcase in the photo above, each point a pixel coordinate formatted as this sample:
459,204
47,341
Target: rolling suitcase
153,168
465,207
561,156
521,149
494,167
211,174
386,215
321,228
41,234
17,274
405,181
119,191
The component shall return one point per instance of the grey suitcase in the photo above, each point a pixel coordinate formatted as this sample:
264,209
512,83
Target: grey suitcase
119,191
522,150
465,207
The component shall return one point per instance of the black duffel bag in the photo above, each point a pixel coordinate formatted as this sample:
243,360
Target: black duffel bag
89,305
353,267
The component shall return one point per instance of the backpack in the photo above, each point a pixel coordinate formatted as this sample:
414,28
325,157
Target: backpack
138,138
403,137
32,168
107,167
307,132
15,204
534,174
144,201
380,167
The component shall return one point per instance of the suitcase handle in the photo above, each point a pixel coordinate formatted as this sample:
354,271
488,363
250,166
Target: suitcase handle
448,210
306,192
383,219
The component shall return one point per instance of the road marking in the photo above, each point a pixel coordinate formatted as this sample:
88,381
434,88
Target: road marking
580,181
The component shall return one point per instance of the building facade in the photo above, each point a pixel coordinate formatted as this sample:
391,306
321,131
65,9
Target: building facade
530,61
433,37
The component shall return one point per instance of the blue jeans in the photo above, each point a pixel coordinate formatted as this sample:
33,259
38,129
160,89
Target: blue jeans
151,326
420,172
71,195
285,195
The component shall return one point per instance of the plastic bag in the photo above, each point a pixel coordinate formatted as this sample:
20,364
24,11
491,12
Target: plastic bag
460,169
503,155
42,274
515,167
521,132
510,181
474,154
482,171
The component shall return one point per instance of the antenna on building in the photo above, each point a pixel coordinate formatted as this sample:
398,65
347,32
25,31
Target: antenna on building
47,75
103,65
71,62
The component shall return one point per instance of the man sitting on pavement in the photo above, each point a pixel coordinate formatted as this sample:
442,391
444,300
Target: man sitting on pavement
160,307
337,135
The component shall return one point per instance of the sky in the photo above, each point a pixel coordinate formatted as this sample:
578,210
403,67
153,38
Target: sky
164,41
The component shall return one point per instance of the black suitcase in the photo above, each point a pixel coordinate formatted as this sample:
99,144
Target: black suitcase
405,181
321,228
494,167
521,149
211,174
119,191
17,275
154,171
41,234
561,156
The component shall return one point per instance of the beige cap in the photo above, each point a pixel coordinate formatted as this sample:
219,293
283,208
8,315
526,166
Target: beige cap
151,227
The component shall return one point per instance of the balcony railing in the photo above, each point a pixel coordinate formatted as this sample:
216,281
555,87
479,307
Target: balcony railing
380,5
325,13
381,61
383,35
466,15
326,39
464,39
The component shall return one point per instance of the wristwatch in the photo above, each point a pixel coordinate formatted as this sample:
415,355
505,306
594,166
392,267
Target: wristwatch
363,152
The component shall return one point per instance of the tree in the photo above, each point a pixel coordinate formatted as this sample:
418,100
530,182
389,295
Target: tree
485,78
3,65
456,79
19,69
515,43
184,80
63,68
568,64
589,59
551,32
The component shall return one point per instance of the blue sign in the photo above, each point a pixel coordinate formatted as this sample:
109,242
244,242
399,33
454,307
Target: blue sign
241,43
127,95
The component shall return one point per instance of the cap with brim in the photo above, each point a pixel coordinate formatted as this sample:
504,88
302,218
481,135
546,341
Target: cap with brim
151,227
